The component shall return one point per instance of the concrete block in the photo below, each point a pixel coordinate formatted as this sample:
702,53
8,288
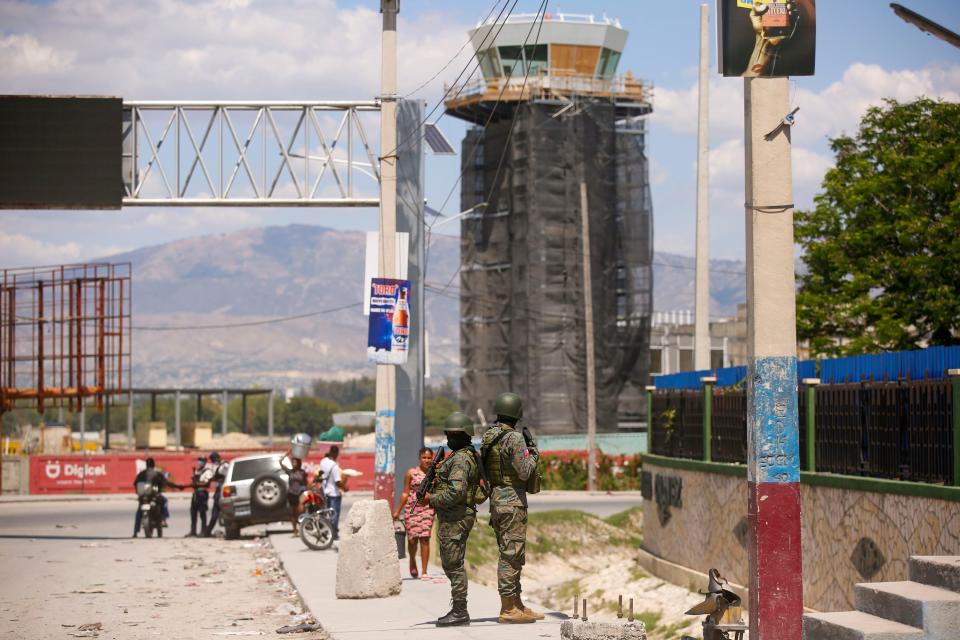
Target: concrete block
196,434
936,571
935,610
367,562
855,625
580,630
151,435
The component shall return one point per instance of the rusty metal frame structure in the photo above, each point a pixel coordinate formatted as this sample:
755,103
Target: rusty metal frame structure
207,153
64,335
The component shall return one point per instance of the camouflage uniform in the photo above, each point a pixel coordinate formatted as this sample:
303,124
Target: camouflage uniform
509,464
456,477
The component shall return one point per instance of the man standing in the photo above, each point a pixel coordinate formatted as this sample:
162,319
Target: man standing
334,484
453,495
509,463
219,475
202,476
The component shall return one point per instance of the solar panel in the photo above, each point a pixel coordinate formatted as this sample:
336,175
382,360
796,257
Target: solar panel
437,141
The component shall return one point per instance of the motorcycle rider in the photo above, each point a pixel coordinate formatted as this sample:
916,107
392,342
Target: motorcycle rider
151,475
219,475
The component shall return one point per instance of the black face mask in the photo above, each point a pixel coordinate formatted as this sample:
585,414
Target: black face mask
457,440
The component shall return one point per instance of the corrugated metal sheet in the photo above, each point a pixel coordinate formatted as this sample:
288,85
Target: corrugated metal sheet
726,376
930,363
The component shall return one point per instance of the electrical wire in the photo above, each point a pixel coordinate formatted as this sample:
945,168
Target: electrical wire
459,51
252,323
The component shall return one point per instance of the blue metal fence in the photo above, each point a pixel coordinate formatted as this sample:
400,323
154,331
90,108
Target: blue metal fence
925,364
726,376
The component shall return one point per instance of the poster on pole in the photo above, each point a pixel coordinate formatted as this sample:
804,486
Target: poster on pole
388,338
766,39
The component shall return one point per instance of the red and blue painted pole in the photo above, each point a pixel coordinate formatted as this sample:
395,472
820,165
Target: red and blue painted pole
773,450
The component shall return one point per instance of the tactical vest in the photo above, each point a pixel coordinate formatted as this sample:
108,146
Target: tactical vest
473,487
501,474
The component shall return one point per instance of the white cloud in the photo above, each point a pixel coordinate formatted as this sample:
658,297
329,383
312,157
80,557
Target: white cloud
830,111
21,251
24,55
182,49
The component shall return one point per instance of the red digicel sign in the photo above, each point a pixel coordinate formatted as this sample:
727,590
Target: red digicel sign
115,472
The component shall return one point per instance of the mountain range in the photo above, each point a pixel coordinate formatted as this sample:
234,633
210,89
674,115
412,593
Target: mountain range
205,309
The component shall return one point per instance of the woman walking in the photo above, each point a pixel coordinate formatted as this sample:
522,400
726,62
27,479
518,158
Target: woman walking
418,518
296,485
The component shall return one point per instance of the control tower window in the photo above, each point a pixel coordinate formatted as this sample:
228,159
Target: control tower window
489,63
536,58
518,59
607,65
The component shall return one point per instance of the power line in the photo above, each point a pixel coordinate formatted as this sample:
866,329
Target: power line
459,51
252,323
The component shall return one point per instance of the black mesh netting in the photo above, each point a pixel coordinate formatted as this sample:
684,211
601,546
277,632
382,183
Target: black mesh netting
521,264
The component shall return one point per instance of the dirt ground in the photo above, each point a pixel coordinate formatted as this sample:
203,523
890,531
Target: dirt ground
572,553
169,588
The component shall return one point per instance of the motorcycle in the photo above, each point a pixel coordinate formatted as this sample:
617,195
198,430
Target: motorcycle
151,516
316,522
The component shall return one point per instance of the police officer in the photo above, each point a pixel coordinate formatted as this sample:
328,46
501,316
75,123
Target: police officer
219,475
453,496
509,463
202,476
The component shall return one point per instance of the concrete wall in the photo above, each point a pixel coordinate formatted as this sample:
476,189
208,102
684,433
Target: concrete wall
859,530
16,475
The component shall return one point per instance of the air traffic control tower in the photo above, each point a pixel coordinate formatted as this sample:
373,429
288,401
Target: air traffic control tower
547,119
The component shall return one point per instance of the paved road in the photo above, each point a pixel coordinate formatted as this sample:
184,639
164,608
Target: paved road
113,517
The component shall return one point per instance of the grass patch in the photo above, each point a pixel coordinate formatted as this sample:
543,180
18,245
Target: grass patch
624,519
560,516
637,573
650,619
482,545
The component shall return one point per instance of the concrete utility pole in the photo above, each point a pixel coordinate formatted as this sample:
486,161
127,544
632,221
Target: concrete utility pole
773,451
701,332
589,338
386,443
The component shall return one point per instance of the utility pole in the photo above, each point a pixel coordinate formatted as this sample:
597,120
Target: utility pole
588,338
773,451
386,443
701,332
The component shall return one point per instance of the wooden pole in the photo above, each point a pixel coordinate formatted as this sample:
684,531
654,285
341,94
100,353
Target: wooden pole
589,338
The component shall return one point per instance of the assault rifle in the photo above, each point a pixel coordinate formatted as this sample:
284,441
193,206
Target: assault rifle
528,437
429,476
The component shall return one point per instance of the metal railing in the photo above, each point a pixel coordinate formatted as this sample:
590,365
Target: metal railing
549,85
905,430
249,153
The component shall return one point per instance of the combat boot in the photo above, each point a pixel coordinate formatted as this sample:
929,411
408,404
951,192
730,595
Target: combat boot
511,613
458,615
536,615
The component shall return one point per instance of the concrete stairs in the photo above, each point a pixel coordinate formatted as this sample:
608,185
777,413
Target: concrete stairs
927,607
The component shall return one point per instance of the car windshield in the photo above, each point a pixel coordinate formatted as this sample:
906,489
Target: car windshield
248,469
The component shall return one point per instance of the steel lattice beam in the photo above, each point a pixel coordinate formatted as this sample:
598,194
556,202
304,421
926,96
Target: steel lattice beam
249,153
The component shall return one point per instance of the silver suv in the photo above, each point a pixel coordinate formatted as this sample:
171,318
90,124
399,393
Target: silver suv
254,492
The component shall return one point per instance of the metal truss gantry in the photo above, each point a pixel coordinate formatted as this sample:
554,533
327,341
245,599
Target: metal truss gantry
249,153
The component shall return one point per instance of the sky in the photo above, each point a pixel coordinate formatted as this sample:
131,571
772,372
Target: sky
329,49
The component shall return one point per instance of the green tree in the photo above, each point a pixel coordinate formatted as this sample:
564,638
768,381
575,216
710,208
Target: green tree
435,410
882,244
308,415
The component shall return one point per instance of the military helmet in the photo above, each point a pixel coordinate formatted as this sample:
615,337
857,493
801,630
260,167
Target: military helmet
508,405
458,421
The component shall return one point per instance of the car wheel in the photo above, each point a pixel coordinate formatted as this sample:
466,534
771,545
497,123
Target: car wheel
268,492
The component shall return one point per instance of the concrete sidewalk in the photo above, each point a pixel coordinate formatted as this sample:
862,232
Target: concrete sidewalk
415,610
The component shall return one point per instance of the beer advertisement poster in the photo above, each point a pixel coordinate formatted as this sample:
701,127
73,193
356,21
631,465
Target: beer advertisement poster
388,339
766,39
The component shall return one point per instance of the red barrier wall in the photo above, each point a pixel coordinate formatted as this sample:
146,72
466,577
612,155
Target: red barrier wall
114,472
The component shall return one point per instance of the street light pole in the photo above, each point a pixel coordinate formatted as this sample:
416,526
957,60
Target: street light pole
701,333
385,460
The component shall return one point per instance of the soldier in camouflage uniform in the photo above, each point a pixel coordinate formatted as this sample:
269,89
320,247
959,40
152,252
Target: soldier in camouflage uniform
509,463
453,497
